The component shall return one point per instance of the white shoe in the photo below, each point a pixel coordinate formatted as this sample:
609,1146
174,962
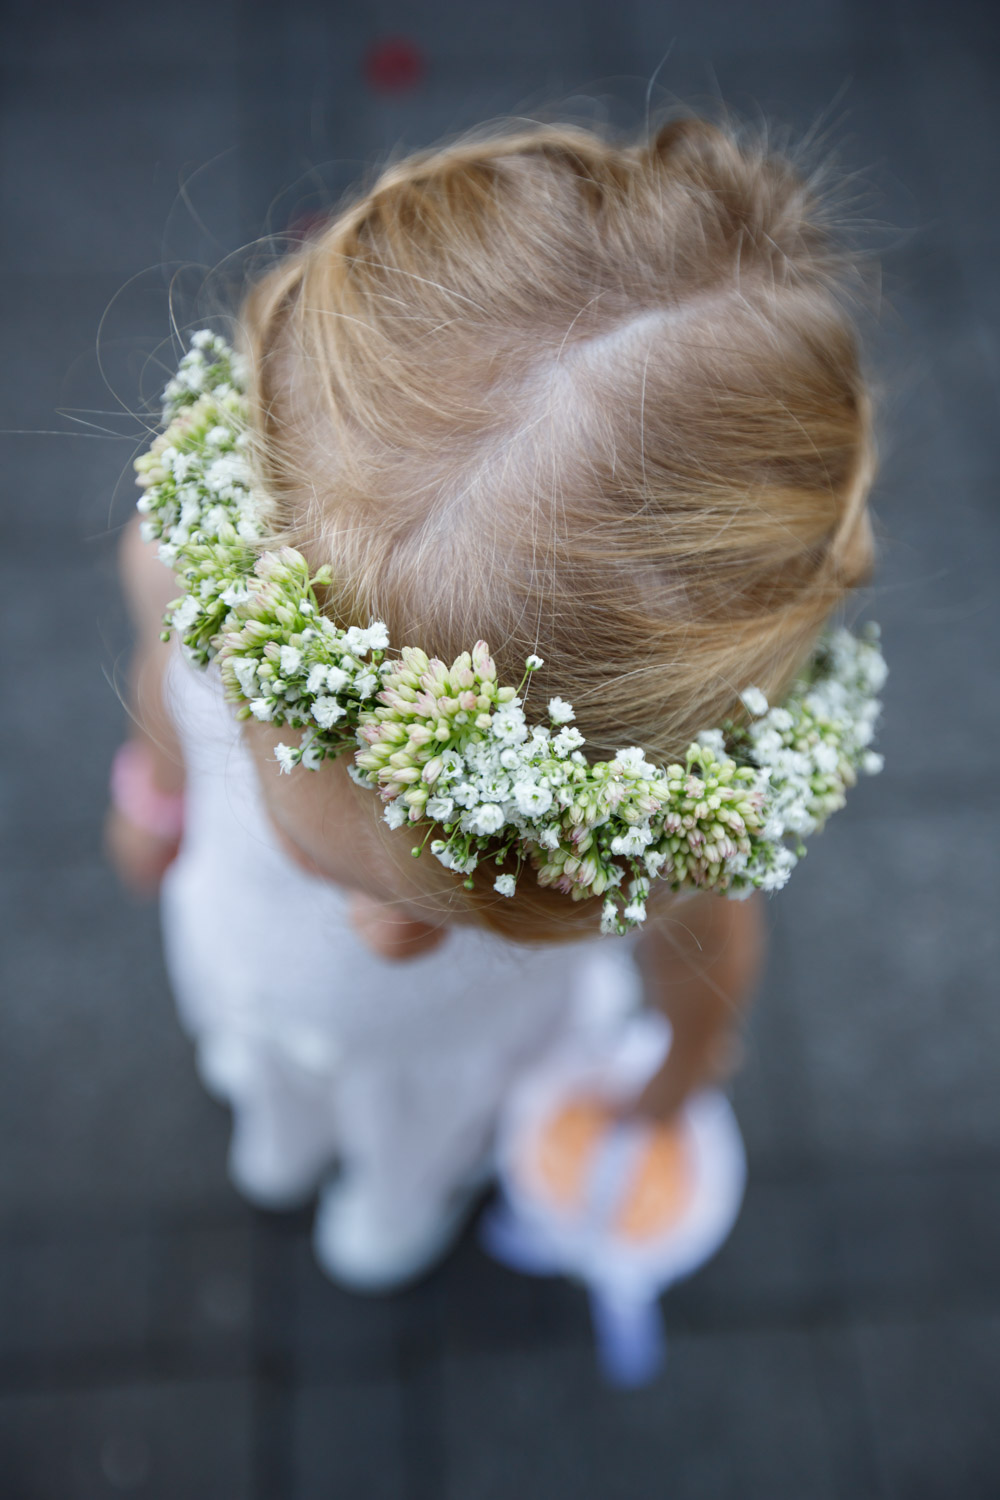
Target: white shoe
271,1172
364,1248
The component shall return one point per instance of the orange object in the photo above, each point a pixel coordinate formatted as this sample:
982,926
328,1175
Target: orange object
661,1185
566,1150
661,1188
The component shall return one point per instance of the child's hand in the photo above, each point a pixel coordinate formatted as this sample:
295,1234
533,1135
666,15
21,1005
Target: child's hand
686,1071
139,857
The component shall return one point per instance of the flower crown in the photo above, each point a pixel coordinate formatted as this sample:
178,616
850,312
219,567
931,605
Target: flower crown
450,749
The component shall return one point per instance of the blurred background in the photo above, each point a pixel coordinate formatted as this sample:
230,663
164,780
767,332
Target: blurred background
158,1337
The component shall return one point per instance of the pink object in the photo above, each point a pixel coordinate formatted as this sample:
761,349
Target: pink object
133,793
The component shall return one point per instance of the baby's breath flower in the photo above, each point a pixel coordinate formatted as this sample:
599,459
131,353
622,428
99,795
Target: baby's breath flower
532,800
754,701
326,711
505,885
287,757
486,818
560,712
567,739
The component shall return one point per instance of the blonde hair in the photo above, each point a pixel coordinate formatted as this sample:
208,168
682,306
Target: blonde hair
595,401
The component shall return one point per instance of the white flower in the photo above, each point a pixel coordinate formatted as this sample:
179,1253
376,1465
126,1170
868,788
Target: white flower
784,863
236,593
191,376
245,669
451,860
487,818
548,838
312,758
609,918
395,813
224,472
567,739
781,719
754,701
532,801
767,742
560,712
632,842
654,861
326,712
826,757
635,911
505,884
634,760
872,762
534,662
714,740
203,339
510,759
494,788
186,614
262,709
291,660
465,794
316,681
452,765
286,756
359,641
439,809
508,726
365,684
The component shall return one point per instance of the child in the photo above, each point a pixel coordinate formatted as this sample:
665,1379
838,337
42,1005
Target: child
600,407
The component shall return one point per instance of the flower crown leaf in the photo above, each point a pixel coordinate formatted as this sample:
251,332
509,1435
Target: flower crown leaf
449,748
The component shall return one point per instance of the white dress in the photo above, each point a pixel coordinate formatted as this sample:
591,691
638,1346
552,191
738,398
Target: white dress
325,1051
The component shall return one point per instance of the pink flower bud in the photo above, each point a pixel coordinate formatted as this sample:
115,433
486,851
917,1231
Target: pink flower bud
483,663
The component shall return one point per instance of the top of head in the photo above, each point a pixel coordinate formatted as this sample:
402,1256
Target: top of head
599,402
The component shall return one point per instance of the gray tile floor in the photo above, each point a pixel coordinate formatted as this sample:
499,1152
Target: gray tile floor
159,1338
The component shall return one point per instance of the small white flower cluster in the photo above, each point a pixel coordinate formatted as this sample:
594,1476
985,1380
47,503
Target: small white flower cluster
811,748
449,747
197,497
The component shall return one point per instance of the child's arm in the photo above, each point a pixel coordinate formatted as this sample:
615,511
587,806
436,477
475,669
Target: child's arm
139,855
700,967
